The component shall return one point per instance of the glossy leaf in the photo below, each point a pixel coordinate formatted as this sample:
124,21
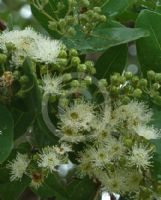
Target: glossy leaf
6,133
12,190
149,48
104,38
116,7
82,189
113,60
22,121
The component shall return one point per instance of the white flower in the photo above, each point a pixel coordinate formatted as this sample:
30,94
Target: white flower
78,116
64,148
114,182
148,132
70,134
49,159
29,43
140,157
18,166
131,115
52,85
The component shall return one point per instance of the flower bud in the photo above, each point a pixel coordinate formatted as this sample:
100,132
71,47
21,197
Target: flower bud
67,77
75,83
75,61
85,3
97,9
63,62
71,32
82,67
158,77
155,86
142,83
128,75
63,102
63,54
102,83
151,75
125,100
53,25
114,90
135,80
10,46
16,75
73,52
88,80
137,93
102,18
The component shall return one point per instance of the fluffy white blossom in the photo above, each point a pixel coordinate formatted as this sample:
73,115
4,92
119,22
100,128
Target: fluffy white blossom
140,157
131,115
52,85
78,116
29,43
50,158
148,132
18,166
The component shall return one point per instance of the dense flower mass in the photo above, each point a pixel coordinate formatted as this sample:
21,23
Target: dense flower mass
28,43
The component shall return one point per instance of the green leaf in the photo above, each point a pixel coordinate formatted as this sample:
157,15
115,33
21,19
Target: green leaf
22,121
83,189
12,190
113,60
116,7
104,38
43,136
149,48
6,136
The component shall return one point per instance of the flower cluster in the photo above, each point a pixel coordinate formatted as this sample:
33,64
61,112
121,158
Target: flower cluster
39,165
28,43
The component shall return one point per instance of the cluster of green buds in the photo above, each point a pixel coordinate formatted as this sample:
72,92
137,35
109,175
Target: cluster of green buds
128,86
84,13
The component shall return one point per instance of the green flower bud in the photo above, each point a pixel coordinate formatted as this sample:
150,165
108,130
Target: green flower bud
63,54
135,80
67,77
85,3
114,90
53,25
82,67
75,61
137,93
92,70
97,9
142,83
122,79
88,80
151,75
71,32
155,86
63,62
128,142
63,102
73,52
23,80
75,83
3,58
114,79
62,23
89,64
102,18
102,83
128,75
157,100
125,100
83,19
158,77
95,16
70,20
